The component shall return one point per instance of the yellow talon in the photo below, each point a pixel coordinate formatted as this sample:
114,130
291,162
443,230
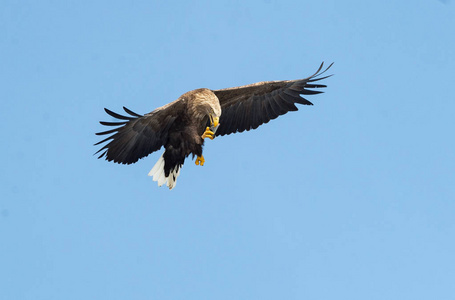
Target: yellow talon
208,134
200,160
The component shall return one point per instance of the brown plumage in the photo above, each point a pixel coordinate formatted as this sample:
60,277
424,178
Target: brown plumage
181,125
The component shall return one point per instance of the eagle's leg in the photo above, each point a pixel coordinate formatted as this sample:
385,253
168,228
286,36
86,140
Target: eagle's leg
200,160
208,134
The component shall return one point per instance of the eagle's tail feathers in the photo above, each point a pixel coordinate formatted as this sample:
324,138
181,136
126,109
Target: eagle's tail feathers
157,169
172,180
158,174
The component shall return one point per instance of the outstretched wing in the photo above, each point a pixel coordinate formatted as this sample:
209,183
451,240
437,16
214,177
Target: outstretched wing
137,136
247,107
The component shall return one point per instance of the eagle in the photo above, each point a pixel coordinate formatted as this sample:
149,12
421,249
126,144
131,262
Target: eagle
182,125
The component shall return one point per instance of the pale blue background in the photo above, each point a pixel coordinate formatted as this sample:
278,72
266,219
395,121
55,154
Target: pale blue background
352,198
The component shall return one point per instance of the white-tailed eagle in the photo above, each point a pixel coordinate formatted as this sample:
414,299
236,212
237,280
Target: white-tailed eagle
182,125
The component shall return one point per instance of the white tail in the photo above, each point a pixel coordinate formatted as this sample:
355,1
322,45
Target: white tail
158,174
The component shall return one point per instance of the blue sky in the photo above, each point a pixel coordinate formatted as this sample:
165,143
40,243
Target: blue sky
352,198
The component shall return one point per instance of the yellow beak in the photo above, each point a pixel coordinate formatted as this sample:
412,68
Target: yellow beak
214,121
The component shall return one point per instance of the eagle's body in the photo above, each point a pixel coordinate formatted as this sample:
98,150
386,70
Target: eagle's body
182,125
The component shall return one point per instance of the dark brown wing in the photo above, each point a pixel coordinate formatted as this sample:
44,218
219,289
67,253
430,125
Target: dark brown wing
138,136
247,107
